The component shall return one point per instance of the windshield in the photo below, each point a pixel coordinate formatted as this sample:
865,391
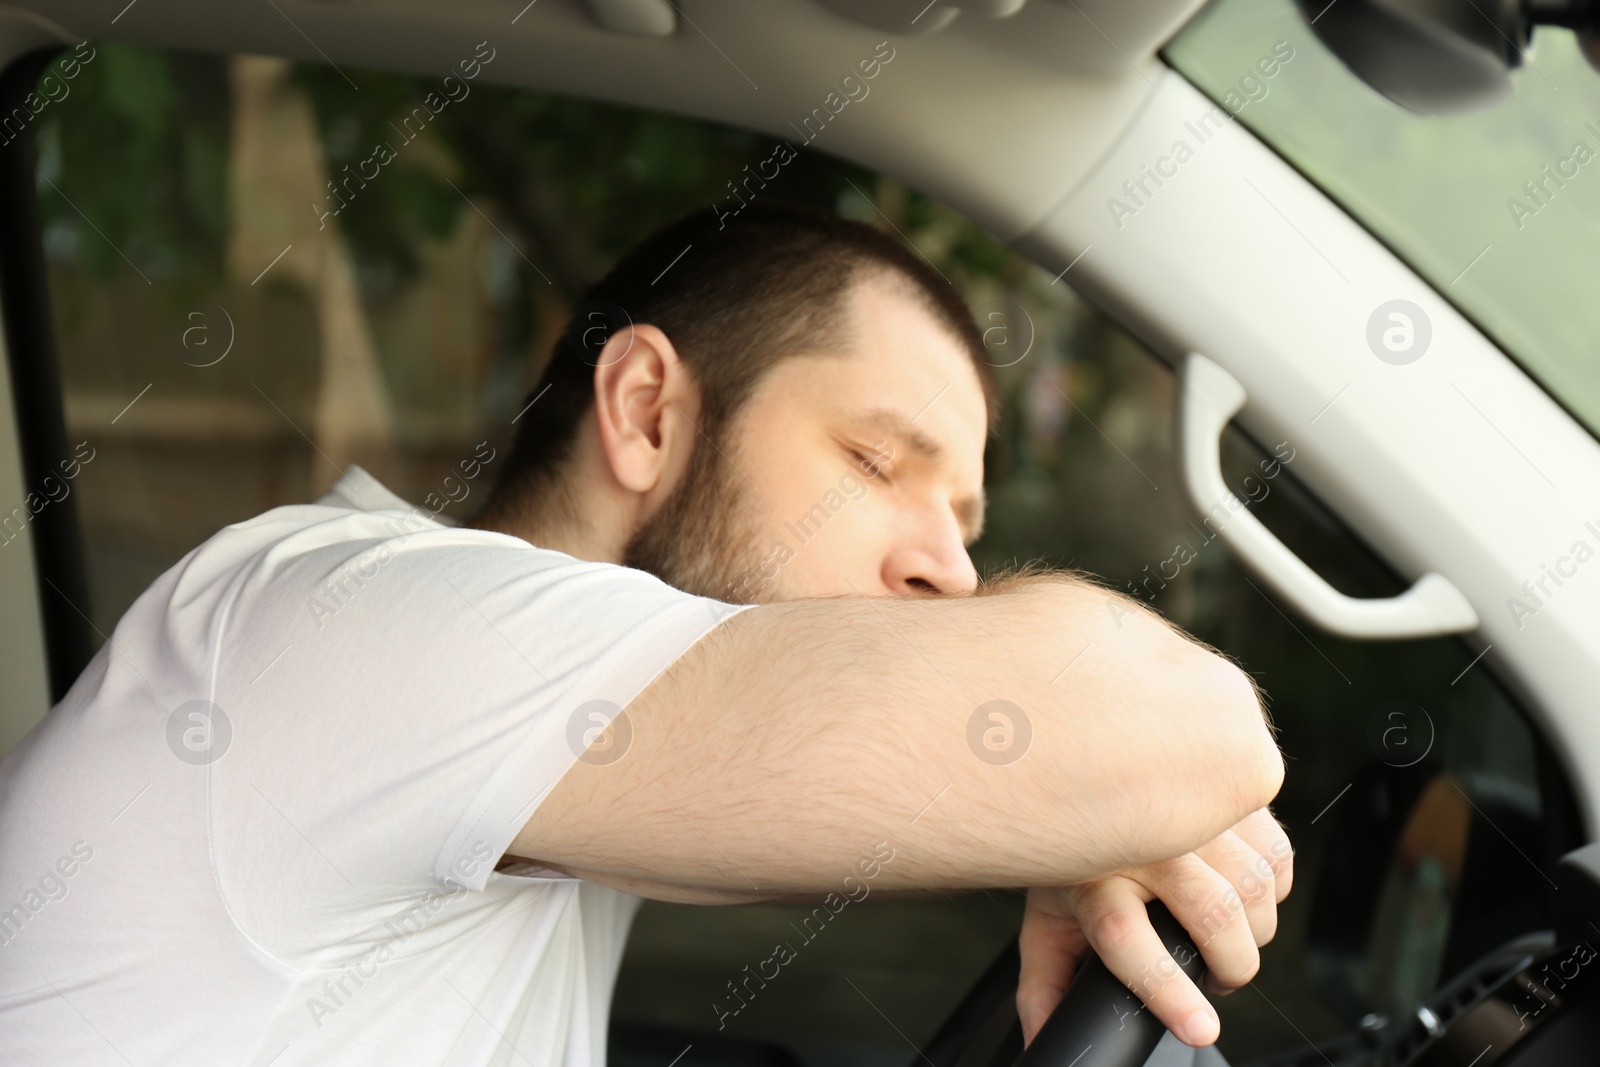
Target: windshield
1498,208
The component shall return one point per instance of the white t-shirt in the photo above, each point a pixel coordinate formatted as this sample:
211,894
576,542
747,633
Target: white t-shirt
306,874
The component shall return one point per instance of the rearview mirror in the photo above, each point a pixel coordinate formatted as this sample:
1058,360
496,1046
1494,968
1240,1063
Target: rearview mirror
1439,56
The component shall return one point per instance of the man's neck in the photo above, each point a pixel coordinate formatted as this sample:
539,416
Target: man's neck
573,532
571,538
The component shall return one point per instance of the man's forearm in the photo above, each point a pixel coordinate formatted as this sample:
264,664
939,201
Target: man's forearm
765,759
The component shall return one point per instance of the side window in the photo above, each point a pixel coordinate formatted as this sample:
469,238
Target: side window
259,277
1494,206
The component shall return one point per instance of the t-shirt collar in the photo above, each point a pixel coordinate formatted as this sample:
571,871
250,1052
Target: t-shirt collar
360,491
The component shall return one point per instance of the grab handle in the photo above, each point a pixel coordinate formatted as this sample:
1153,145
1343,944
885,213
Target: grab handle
1208,398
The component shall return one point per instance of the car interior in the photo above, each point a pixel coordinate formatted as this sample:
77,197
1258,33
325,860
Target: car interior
1324,269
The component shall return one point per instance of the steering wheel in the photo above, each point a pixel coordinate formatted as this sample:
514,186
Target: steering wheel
1099,1022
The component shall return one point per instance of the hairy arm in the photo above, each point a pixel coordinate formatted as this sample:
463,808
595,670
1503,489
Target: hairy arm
780,749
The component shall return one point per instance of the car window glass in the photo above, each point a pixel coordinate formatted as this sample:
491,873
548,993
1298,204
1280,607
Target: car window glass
1497,207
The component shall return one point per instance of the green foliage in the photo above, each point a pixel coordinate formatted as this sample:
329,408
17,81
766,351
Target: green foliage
134,163
141,149
572,183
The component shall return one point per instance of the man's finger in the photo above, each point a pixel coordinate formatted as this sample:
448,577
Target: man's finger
1209,907
1266,835
1052,945
1252,879
1113,917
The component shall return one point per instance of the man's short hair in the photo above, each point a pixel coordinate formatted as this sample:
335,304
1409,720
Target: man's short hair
735,296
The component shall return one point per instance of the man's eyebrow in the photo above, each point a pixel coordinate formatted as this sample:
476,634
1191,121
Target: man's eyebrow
895,424
892,423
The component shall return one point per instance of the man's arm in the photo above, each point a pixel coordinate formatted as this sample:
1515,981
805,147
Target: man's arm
781,748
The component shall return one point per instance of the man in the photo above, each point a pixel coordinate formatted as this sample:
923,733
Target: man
349,785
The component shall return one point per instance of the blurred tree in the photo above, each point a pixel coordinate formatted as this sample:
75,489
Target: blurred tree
570,184
142,141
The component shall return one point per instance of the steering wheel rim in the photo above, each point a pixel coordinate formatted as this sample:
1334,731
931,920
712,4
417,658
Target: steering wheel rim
1099,1022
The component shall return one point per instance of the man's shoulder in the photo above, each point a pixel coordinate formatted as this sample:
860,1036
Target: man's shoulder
354,516
360,538
357,537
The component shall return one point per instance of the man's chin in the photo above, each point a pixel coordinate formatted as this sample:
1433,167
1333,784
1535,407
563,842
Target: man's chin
694,556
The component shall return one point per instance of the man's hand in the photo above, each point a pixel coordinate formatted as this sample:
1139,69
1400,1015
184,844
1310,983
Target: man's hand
1226,895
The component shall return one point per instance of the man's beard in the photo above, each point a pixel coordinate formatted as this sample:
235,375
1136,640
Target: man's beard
703,539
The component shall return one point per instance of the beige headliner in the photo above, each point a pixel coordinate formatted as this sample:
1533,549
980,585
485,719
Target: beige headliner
999,117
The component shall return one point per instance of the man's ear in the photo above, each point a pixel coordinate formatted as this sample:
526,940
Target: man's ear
645,403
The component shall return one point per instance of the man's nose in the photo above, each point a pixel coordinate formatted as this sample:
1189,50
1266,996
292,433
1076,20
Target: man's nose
937,564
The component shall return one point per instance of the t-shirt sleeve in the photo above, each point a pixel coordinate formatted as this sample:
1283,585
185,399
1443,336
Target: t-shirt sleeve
633,628
417,698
